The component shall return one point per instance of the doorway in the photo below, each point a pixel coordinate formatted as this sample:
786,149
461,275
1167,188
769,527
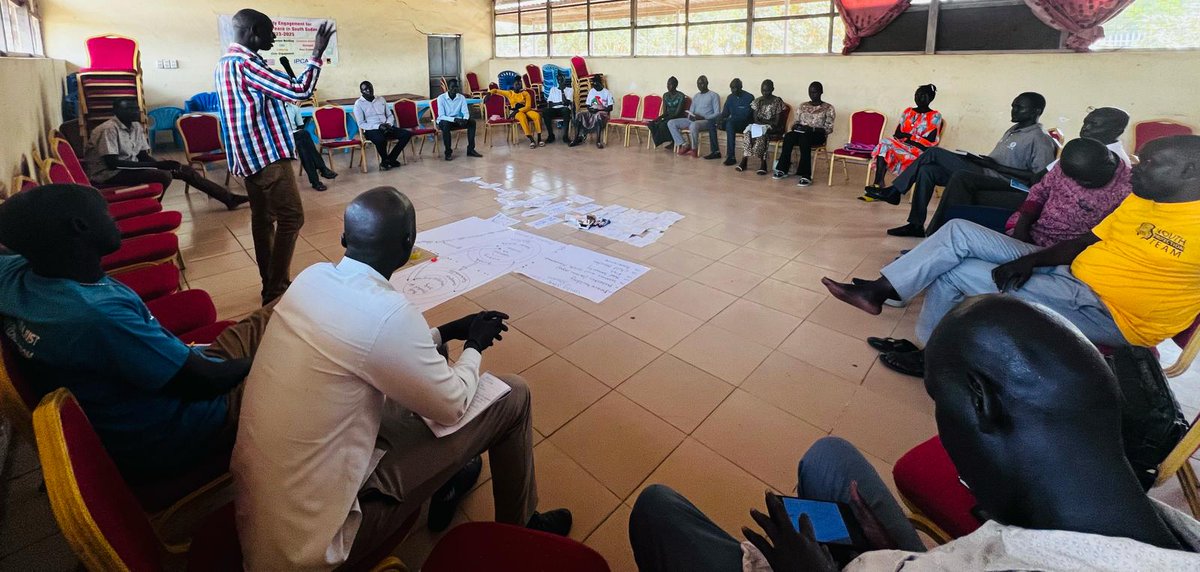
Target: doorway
444,61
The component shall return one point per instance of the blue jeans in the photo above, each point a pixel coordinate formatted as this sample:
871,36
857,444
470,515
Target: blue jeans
669,534
732,127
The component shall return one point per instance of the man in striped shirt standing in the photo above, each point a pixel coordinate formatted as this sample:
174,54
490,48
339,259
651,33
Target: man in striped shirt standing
258,139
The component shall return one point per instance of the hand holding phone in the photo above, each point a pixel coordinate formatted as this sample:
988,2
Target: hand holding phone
792,547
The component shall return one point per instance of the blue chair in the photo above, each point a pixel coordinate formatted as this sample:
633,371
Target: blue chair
163,119
509,80
204,102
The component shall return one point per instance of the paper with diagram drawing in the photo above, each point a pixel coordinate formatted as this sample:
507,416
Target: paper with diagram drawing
473,252
491,389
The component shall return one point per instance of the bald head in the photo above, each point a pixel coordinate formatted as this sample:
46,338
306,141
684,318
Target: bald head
1169,171
1089,162
253,29
380,229
53,224
1104,124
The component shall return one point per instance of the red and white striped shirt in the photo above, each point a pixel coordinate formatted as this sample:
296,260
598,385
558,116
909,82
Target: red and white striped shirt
253,115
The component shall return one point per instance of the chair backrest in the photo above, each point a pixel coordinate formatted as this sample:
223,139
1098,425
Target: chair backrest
651,107
1147,131
201,133
18,397
433,109
406,114
473,82
65,153
331,123
579,65
204,101
866,128
112,52
445,85
55,172
535,74
1057,136
494,104
23,183
98,514
525,81
500,547
508,79
164,117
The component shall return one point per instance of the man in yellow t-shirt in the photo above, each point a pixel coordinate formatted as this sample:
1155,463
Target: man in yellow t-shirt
1135,279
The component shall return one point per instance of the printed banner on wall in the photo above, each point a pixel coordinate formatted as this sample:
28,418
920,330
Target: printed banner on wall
294,38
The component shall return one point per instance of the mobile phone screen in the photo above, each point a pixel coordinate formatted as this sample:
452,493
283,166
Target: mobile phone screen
826,518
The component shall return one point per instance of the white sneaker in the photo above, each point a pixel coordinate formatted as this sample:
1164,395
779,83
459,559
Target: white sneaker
896,303
804,182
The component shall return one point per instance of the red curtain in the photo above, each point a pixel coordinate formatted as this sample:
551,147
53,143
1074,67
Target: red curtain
865,18
1080,19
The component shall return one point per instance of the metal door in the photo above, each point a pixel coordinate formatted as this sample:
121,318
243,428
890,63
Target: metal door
444,61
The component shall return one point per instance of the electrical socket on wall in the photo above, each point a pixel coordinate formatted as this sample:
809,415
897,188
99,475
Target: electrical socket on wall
167,64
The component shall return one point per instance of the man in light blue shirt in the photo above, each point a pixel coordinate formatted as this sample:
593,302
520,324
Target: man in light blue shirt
453,113
702,116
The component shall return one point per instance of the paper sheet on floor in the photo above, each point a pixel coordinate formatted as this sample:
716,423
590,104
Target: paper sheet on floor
491,389
503,220
583,272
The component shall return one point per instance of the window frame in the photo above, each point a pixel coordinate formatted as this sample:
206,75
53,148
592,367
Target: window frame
32,18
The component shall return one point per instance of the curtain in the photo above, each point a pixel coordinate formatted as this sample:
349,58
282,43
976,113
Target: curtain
865,18
1080,19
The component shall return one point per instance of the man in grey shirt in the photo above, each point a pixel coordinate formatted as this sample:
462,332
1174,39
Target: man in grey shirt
706,106
1024,150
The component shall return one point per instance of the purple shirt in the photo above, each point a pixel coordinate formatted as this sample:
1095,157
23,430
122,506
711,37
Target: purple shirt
1064,210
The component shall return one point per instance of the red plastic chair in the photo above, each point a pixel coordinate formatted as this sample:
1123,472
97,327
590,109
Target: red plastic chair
202,144
1147,131
495,114
112,53
499,547
651,109
151,282
333,134
63,151
408,118
866,130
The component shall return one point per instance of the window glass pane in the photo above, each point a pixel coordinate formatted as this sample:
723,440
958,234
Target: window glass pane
534,45
611,15
652,12
572,18
610,43
770,37
839,35
505,6
506,24
570,44
508,47
533,21
36,30
17,29
773,8
660,41
5,37
717,39
808,36
716,10
1154,24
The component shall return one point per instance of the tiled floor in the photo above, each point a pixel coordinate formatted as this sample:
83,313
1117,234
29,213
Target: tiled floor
712,373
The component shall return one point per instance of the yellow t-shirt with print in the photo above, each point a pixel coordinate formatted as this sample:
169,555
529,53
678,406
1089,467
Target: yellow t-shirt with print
1146,268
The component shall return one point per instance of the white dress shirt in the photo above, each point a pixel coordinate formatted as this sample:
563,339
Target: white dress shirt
1115,147
451,109
341,341
371,114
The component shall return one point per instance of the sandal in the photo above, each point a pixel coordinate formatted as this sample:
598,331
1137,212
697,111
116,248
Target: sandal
910,363
890,345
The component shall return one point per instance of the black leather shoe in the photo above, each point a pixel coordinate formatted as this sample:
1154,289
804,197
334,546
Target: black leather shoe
473,153
557,521
907,230
712,156
445,501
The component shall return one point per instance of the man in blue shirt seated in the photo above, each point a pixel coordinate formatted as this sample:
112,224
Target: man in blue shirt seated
158,406
734,119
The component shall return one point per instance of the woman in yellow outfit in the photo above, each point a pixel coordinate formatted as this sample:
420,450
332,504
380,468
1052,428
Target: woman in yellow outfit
520,106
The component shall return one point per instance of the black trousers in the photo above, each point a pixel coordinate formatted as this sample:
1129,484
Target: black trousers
732,128
381,136
310,158
447,126
977,190
549,114
934,167
805,141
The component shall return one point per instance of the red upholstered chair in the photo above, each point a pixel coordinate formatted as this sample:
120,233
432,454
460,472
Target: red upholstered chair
112,53
408,118
202,144
631,105
153,223
473,87
184,311
53,171
457,134
64,152
495,114
23,183
146,250
579,66
17,394
499,547
150,282
866,129
1147,131
651,109
333,134
928,484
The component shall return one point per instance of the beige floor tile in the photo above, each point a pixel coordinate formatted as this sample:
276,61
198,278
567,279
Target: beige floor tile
677,392
451,310
217,264
562,483
806,391
238,302
880,426
497,284
720,489
611,308
659,325
722,353
223,245
831,351
629,252
707,246
755,261
513,354
560,392
678,261
610,355
695,299
732,232
777,246
807,276
789,298
618,442
728,279
754,321
611,540
654,282
756,436
903,389
842,317
517,300
558,325
227,282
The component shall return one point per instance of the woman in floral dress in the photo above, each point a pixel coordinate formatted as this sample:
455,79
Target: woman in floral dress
767,110
920,128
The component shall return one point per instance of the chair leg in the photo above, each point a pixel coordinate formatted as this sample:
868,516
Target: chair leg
870,168
362,159
1187,482
227,175
832,160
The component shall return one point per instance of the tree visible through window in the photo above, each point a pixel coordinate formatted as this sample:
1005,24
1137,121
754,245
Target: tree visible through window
1154,24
